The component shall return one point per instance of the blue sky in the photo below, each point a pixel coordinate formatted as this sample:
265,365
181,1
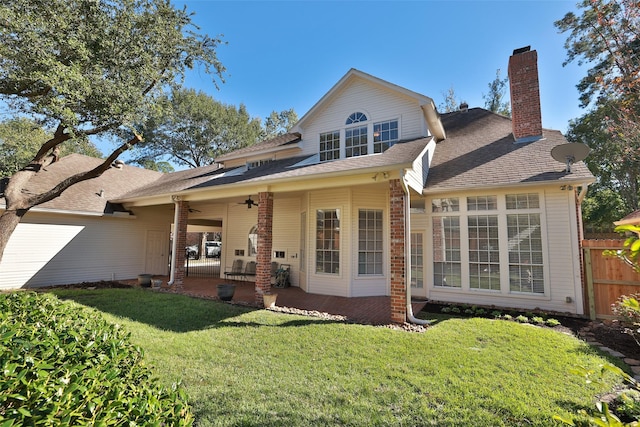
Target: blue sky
288,54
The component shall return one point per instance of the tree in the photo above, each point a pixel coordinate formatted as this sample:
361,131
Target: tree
20,139
494,100
450,103
87,68
193,129
613,160
279,123
606,35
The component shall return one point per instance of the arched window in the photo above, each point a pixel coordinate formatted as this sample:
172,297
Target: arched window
356,118
252,241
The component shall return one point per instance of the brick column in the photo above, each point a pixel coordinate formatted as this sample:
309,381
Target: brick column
397,202
263,257
180,234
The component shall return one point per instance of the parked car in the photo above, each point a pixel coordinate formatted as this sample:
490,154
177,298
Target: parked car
212,249
193,252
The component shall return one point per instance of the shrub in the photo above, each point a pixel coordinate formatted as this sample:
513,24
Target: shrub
627,308
552,322
522,319
537,320
65,365
624,410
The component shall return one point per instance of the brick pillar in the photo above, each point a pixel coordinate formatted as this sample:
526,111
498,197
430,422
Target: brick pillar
180,234
397,202
263,257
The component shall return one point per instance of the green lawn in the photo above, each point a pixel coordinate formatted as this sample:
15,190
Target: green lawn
244,367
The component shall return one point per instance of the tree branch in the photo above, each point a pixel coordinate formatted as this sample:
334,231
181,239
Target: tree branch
83,176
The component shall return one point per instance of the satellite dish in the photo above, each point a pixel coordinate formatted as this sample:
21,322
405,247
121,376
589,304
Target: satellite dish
570,153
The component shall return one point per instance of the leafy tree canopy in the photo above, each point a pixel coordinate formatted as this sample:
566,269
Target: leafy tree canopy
193,129
606,36
495,100
279,123
20,139
450,103
90,67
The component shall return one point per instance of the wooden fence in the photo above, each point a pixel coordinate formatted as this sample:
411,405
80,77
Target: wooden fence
607,278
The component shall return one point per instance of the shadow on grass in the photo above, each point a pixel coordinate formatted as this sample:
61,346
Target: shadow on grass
173,312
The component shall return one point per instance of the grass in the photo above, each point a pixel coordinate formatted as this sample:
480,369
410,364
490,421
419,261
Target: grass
244,367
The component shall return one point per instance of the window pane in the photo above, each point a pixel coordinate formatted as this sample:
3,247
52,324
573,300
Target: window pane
417,269
526,273
446,251
355,141
523,201
329,146
385,135
484,253
370,241
328,241
482,203
445,205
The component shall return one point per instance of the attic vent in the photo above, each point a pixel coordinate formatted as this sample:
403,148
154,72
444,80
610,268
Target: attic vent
118,164
464,107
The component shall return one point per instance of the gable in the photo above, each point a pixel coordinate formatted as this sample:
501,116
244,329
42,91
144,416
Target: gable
376,102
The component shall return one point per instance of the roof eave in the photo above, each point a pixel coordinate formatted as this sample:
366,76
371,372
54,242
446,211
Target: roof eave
440,190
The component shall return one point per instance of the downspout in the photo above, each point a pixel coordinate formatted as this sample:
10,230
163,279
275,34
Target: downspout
407,251
583,193
174,242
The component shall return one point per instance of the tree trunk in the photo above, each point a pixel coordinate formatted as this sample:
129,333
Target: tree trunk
9,220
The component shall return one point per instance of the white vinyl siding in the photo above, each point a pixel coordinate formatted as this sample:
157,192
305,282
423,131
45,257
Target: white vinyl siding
381,105
78,248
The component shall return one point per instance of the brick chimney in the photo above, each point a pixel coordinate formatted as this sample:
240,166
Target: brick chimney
526,117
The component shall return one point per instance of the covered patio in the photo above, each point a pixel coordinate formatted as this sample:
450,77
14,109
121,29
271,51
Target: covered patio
367,310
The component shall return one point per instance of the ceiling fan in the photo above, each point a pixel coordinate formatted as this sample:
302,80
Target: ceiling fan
249,202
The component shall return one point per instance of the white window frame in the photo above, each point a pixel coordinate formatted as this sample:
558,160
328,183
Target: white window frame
367,239
342,138
501,212
330,240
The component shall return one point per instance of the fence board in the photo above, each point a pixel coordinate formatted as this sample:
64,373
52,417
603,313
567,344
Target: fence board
607,278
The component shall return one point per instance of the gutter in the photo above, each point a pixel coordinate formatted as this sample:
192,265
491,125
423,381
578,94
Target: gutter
407,251
174,242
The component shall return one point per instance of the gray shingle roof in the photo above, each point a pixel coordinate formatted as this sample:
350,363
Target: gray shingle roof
85,196
480,152
279,141
402,153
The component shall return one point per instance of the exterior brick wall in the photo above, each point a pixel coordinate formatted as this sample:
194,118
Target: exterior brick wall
180,234
398,264
525,95
265,244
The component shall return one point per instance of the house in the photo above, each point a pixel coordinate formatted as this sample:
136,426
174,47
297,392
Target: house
81,236
375,193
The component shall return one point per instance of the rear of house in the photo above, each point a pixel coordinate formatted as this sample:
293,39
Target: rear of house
374,193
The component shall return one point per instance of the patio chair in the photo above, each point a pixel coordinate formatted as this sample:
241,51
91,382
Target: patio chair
274,268
283,276
236,270
249,269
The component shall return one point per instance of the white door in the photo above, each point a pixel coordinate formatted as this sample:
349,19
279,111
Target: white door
156,256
